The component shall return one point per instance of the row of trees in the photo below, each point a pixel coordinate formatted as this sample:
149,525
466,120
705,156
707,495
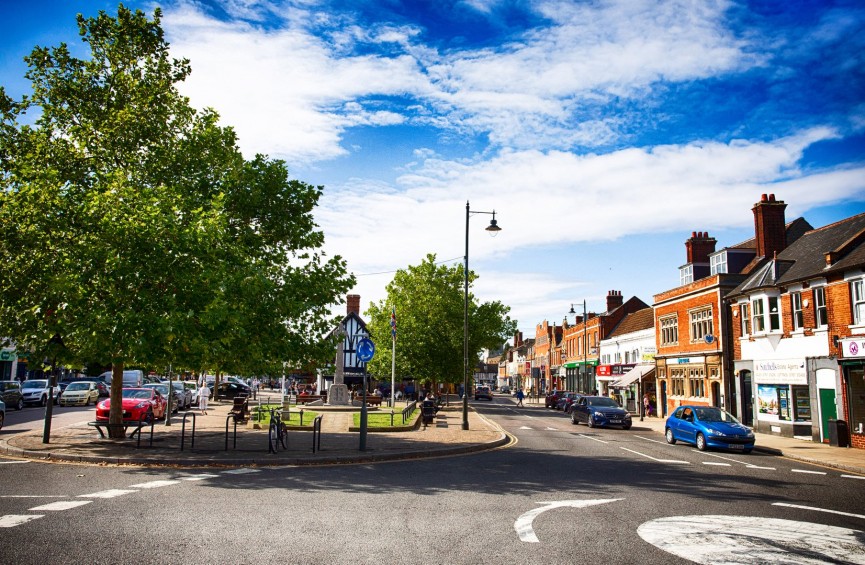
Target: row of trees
132,228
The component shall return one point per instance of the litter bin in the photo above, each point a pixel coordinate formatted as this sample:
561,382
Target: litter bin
839,433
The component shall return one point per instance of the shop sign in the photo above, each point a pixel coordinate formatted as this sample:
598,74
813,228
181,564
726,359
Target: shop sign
604,370
781,371
689,360
7,355
853,348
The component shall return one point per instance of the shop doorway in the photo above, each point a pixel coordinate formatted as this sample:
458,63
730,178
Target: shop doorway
716,394
747,398
662,405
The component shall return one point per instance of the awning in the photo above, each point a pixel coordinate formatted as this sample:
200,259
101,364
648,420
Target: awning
636,373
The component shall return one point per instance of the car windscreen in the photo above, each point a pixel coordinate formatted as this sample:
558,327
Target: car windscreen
35,384
715,415
78,386
136,393
602,401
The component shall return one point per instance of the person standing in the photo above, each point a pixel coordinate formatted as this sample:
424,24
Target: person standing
520,397
203,396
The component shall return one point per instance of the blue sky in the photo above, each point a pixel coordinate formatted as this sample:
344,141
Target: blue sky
602,133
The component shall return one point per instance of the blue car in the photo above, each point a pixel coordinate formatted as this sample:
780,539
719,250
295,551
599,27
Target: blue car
2,413
599,411
707,426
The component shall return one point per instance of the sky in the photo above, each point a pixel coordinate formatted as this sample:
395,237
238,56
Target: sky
601,133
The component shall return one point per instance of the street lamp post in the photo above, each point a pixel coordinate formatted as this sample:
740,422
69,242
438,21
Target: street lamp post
585,342
493,228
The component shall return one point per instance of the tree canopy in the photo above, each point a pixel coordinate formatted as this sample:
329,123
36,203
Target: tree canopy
132,227
429,302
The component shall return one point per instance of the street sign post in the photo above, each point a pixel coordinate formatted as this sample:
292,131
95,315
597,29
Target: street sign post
365,352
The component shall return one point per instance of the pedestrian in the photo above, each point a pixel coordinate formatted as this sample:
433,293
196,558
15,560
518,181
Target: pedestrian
646,405
203,395
520,397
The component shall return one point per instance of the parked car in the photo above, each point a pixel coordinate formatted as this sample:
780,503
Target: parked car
566,401
551,399
192,387
36,391
131,378
230,390
104,389
183,396
2,414
176,401
137,402
707,426
505,390
483,392
600,411
10,393
80,393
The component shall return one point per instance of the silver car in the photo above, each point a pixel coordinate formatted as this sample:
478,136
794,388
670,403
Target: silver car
35,391
80,393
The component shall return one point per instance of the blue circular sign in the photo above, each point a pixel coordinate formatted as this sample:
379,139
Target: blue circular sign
365,349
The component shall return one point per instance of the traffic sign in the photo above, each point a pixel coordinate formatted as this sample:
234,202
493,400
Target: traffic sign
365,349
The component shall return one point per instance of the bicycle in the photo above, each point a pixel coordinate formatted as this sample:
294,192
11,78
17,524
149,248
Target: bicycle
277,432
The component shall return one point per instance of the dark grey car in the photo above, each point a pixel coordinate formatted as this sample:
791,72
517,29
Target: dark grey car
10,393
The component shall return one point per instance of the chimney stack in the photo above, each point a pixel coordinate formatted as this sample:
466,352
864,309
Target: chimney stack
770,231
699,247
614,300
353,304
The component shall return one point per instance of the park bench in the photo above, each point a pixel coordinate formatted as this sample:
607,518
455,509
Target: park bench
137,426
306,398
240,409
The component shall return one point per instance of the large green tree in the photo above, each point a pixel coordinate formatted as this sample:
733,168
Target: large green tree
429,302
132,227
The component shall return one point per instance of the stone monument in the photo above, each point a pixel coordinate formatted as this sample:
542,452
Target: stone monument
337,394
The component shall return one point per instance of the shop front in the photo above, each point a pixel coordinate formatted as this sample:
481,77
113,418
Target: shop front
782,397
606,375
853,379
688,380
580,376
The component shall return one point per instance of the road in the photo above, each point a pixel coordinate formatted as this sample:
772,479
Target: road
561,494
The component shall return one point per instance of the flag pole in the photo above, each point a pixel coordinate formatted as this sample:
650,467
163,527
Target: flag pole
393,359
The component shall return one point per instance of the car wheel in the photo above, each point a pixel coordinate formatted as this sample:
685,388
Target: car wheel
574,418
43,401
701,442
671,439
20,404
626,427
149,417
2,417
590,422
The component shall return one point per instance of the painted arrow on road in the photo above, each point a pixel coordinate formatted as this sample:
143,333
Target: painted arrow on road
523,525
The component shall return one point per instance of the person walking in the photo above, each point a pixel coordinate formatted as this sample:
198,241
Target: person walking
203,395
520,397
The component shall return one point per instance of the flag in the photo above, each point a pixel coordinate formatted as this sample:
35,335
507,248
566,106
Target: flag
393,322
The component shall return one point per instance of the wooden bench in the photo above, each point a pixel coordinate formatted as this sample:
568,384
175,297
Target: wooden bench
240,409
125,426
370,399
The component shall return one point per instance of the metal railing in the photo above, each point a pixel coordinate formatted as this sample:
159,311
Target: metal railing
227,418
183,430
316,434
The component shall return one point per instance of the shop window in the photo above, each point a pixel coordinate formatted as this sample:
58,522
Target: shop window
798,315
820,307
677,382
697,382
801,404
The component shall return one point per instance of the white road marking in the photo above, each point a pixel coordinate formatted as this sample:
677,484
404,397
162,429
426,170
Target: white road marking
241,471
724,458
752,539
155,484
524,428
652,440
799,506
111,493
759,467
592,438
523,524
853,477
33,496
808,471
198,477
654,458
61,505
12,520
716,463
12,462
551,429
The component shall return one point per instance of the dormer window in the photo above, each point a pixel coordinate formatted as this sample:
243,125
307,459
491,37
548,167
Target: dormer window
686,274
718,263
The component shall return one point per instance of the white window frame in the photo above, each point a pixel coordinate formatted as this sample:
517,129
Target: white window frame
821,315
669,330
774,314
798,314
686,274
745,318
718,263
701,323
758,320
857,301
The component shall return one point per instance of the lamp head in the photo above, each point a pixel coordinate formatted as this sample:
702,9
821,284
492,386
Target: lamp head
493,228
572,311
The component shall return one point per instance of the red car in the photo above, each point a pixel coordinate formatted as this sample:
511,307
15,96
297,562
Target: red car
137,402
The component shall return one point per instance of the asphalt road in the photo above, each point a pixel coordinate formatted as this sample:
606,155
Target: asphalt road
561,494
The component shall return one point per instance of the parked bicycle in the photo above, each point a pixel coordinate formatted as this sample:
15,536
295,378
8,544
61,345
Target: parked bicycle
277,432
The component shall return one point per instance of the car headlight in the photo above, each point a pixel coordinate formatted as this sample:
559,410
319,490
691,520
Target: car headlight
599,415
717,433
142,404
102,406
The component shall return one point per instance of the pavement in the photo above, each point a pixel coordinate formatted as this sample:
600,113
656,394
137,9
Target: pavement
338,443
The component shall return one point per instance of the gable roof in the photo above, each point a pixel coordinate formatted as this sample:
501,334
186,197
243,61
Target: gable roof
843,242
636,321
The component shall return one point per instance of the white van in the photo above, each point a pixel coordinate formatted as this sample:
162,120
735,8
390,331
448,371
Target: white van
131,378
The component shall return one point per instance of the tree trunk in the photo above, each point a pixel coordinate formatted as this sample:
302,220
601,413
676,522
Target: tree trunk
115,414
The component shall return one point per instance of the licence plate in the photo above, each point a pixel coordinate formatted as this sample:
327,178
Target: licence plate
737,446
615,421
